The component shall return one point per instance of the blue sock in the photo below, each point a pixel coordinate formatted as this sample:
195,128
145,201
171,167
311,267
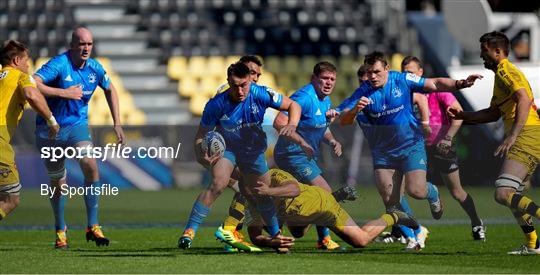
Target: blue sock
265,206
322,232
58,204
407,232
432,192
405,206
91,202
197,216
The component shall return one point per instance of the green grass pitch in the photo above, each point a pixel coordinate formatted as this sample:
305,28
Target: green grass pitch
144,227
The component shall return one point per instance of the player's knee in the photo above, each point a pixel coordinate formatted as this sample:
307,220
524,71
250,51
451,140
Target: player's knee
501,195
458,193
89,167
415,192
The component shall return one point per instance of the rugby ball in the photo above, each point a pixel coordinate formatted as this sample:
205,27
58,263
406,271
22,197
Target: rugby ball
213,143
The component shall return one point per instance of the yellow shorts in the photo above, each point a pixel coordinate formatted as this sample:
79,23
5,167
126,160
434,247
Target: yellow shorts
316,206
526,150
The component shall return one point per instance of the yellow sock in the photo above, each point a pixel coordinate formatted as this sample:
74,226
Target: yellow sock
2,214
523,204
531,239
236,213
390,219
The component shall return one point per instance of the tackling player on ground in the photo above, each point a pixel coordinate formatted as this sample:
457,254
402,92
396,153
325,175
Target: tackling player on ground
238,114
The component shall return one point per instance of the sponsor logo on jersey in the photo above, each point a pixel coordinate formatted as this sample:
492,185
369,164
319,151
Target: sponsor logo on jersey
3,74
413,77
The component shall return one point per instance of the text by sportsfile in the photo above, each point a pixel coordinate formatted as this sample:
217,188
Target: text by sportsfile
65,190
110,150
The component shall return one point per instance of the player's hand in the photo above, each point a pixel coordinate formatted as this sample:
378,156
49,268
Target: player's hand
280,241
443,147
454,113
261,189
287,130
307,149
470,80
119,134
208,160
427,129
53,131
504,148
362,103
336,146
331,115
73,92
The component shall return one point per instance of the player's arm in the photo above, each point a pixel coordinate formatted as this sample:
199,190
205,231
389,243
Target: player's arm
38,103
114,106
281,121
449,84
490,114
73,92
455,124
257,237
330,140
422,102
294,110
288,189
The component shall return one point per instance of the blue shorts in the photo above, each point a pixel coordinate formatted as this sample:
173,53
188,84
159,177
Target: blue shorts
254,164
69,136
303,169
410,159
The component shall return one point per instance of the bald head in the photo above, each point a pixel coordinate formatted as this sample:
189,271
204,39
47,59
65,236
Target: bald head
81,45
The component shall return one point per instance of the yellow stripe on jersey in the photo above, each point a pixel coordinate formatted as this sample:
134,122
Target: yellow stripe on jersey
222,88
508,80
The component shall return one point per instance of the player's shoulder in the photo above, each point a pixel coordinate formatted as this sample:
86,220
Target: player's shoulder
223,88
61,59
94,64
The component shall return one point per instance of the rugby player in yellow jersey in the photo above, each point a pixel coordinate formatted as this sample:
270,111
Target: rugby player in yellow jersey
299,205
16,88
513,101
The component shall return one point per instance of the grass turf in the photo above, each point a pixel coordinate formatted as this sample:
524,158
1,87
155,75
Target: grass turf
144,227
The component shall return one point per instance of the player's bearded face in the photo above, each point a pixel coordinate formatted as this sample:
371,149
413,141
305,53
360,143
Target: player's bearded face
239,87
377,74
324,82
489,56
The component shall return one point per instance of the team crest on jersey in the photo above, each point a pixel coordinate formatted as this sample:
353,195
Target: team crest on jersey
307,171
3,74
413,77
92,78
4,172
396,92
254,109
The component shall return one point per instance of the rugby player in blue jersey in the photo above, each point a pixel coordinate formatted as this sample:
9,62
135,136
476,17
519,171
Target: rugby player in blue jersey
68,82
394,134
298,153
238,114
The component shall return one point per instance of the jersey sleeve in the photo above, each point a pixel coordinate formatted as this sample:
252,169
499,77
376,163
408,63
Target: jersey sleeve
210,116
512,78
415,82
26,80
104,80
303,101
50,70
272,98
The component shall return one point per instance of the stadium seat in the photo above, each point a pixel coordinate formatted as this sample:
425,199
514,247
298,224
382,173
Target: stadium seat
197,103
176,66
